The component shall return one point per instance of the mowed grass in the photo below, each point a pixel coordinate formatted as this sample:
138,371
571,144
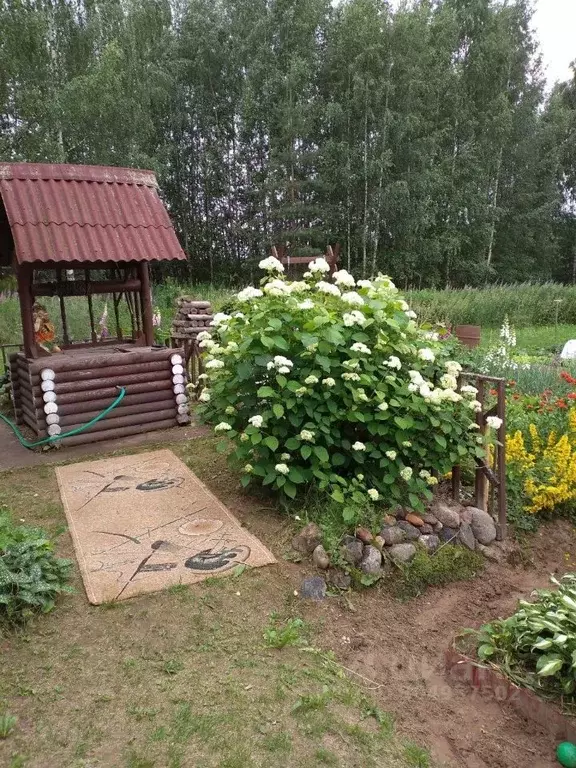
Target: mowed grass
183,678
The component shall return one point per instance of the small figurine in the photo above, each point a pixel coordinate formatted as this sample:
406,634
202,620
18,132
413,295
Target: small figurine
44,331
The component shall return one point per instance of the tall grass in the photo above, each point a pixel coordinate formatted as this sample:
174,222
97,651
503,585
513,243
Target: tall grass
526,304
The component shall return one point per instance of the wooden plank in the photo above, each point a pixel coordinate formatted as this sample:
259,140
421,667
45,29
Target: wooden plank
110,393
122,380
139,399
121,355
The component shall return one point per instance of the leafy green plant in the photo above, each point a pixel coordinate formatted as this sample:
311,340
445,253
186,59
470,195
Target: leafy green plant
31,576
278,635
536,646
316,383
7,724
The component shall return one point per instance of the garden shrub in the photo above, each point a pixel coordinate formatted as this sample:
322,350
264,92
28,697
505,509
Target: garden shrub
334,383
536,646
448,564
31,576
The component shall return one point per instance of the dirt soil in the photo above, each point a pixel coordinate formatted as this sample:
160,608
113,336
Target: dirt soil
394,649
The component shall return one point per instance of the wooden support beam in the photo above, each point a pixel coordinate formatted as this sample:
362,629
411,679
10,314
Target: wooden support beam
146,303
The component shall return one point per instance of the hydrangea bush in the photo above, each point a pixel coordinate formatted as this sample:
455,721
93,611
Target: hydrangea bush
330,381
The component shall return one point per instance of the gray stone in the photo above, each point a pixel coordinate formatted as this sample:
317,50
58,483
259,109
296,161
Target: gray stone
430,519
320,558
466,515
393,535
411,533
371,561
494,554
426,529
429,542
438,526
466,536
308,539
352,550
339,579
448,534
403,553
313,588
446,515
483,526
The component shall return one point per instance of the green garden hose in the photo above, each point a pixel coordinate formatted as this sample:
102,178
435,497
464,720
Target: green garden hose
76,431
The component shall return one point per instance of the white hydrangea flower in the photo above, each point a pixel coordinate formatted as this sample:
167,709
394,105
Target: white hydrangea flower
404,306
494,422
202,376
407,444
277,288
448,381
299,286
425,390
329,288
220,318
364,284
239,315
344,278
283,469
358,446
432,480
270,365
475,405
350,376
383,406
230,410
467,389
431,335
249,293
413,387
280,360
300,391
416,377
351,364
353,298
473,425
453,367
411,314
271,264
214,364
222,427
373,494
451,395
307,435
306,304
311,379
283,369
203,336
204,397
361,348
354,318
285,457
329,382
256,421
319,265
424,474
393,362
406,473
248,468
307,275
207,344
391,455
426,354
362,396
244,437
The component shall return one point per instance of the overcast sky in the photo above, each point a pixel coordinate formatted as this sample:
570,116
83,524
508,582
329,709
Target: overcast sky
555,26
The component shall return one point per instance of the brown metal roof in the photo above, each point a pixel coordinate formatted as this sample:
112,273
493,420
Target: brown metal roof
86,213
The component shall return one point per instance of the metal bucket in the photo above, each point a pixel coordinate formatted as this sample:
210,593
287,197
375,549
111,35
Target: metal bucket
469,335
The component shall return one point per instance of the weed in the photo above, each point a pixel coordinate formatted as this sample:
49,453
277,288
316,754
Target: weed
449,563
312,701
416,757
172,667
17,761
278,636
135,761
278,742
7,724
141,713
325,757
159,734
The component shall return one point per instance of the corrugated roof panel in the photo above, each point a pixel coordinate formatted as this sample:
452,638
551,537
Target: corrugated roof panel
86,213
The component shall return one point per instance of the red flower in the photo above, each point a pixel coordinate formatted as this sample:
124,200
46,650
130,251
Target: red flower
566,376
516,396
493,392
511,383
571,396
561,404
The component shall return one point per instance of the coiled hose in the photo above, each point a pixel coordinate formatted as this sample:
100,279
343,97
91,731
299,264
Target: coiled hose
77,431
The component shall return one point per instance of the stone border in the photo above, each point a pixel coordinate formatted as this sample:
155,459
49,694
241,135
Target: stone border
488,682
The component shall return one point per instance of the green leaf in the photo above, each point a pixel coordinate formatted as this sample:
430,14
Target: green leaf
278,410
321,452
271,442
267,341
338,459
292,443
296,476
440,439
290,489
239,569
281,343
306,452
265,392
485,650
548,665
245,481
222,446
337,495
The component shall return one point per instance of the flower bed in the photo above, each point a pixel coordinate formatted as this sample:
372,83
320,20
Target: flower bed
333,383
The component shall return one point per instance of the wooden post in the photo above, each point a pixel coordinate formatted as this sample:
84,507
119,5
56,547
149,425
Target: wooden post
481,482
65,337
146,303
24,277
501,465
93,336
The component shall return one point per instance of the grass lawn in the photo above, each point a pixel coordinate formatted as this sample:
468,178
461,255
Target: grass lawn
534,338
184,677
